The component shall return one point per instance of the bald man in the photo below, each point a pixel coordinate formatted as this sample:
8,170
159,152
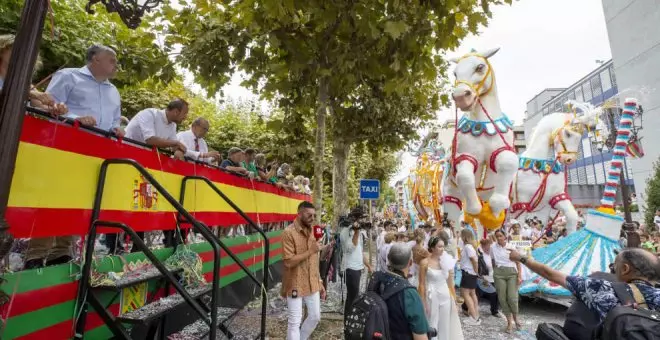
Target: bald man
635,268
194,141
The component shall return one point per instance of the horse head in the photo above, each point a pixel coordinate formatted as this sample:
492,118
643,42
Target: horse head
474,78
566,138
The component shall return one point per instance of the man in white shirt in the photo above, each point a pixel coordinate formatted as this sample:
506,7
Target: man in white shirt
656,218
158,127
194,141
354,261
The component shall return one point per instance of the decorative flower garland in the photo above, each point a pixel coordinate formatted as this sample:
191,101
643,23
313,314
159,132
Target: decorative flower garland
478,127
544,166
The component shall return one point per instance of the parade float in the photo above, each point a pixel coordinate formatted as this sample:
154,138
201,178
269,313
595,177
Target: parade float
487,182
483,161
426,178
592,248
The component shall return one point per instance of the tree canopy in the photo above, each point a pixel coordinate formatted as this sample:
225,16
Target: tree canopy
71,30
372,65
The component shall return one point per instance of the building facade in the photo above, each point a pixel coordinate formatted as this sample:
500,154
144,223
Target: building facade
519,142
633,27
586,177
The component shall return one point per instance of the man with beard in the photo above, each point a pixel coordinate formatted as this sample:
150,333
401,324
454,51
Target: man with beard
302,281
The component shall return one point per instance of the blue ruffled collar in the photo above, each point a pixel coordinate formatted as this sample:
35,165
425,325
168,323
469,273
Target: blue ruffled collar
478,127
545,166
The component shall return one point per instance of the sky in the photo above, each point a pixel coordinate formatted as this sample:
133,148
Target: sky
543,44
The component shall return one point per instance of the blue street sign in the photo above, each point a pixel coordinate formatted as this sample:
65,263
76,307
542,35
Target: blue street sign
369,189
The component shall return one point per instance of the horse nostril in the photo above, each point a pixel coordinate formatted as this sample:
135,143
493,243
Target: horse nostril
467,93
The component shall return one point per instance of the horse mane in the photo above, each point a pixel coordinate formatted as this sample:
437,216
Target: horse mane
548,123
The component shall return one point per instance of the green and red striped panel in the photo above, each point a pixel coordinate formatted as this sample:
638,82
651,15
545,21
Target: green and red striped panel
43,301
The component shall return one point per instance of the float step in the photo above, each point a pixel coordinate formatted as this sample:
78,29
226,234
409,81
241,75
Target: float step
152,311
199,330
136,278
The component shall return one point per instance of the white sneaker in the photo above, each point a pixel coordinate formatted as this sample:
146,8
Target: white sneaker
470,321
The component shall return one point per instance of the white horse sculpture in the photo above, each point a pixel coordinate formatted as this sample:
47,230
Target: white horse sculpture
484,161
540,183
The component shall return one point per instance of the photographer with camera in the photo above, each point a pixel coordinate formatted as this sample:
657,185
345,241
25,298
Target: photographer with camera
352,236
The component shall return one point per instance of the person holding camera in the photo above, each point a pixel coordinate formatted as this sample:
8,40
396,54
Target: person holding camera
352,239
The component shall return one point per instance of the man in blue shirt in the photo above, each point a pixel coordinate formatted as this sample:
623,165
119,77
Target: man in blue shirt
88,93
634,266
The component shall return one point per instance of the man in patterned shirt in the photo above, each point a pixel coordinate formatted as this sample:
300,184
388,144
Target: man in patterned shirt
634,266
301,282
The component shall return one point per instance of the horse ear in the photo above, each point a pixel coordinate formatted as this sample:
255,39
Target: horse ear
489,52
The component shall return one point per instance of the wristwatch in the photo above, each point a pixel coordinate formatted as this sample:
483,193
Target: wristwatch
523,259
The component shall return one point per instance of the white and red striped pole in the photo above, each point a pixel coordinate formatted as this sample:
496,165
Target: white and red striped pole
619,152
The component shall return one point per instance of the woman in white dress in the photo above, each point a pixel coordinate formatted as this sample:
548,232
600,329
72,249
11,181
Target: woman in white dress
433,288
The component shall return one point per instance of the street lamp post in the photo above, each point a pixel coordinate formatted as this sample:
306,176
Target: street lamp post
130,11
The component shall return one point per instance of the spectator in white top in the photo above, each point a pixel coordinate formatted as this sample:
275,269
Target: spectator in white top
469,267
193,139
486,287
656,218
508,278
158,127
383,250
354,261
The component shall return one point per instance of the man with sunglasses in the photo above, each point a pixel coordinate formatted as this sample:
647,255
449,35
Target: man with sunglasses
633,266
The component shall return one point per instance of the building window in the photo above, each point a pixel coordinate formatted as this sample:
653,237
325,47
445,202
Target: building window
571,95
613,76
578,94
558,106
595,86
586,91
605,80
582,175
573,176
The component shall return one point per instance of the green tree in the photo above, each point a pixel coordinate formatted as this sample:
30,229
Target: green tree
72,30
312,55
652,195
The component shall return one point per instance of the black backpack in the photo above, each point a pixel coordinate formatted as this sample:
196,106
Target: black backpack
631,320
481,264
580,321
368,317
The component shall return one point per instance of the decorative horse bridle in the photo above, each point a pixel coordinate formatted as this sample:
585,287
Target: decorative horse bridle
477,87
557,137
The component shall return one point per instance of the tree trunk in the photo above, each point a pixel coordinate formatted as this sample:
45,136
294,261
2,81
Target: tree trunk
340,153
319,148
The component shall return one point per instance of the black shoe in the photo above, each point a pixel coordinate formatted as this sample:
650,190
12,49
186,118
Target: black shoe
59,260
34,264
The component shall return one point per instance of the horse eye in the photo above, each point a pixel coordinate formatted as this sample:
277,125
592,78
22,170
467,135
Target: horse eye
480,68
566,133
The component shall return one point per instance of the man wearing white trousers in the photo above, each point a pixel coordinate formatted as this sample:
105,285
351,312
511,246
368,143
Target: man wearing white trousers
301,282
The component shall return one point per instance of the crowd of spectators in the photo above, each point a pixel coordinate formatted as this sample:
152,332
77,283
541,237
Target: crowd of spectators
87,96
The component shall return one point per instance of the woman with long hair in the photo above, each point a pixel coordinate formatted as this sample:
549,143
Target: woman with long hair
508,277
419,253
439,305
469,268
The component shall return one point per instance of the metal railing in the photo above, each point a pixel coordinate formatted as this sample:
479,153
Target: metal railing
253,225
83,291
